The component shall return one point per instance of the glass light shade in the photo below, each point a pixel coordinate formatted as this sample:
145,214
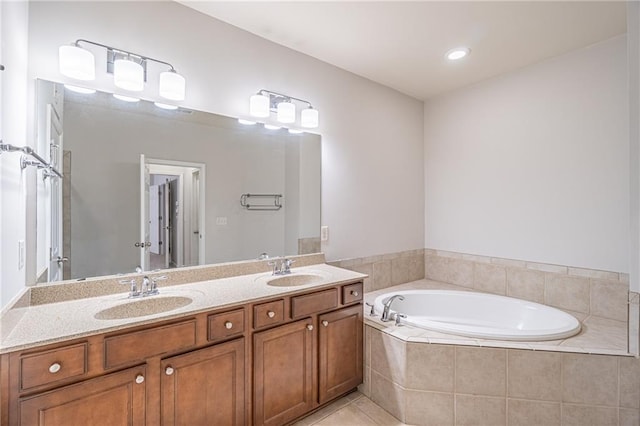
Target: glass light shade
172,86
246,122
309,118
128,75
271,127
286,112
259,106
76,62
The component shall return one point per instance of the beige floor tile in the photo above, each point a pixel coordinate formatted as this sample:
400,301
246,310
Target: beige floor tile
377,413
349,415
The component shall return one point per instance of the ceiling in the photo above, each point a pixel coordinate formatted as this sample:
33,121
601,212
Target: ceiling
402,44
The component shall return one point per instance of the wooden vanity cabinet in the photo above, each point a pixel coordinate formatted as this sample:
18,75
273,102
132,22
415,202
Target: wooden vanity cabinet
204,387
263,363
113,399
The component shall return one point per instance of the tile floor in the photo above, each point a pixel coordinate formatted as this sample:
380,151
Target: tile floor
354,409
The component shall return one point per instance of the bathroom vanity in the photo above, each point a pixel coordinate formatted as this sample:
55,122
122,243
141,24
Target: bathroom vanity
266,360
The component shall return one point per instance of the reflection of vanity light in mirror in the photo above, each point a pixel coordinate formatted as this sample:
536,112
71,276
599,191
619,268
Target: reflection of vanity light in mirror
165,106
246,122
263,103
129,69
271,127
78,89
125,98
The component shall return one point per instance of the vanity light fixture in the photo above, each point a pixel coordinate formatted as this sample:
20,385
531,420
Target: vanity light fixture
457,53
129,69
263,103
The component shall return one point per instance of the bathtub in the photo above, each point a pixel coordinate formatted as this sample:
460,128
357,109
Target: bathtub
482,315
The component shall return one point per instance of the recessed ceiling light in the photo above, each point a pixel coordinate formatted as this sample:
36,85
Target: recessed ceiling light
457,53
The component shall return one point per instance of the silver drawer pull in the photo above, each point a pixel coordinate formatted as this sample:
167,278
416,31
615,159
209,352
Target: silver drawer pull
228,325
139,379
355,293
271,314
168,371
325,323
54,368
309,327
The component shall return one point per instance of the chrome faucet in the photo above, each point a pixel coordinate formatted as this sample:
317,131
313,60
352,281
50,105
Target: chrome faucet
387,307
281,266
148,286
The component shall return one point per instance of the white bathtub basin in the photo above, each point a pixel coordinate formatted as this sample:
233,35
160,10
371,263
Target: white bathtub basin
482,315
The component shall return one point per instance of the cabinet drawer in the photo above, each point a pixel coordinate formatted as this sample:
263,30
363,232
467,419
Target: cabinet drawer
226,324
315,302
52,366
137,346
268,313
351,293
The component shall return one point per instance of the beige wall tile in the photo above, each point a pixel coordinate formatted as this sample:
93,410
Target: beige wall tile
416,268
590,379
431,367
365,268
490,278
476,258
400,270
388,395
609,299
365,386
388,356
436,268
509,262
480,411
429,408
586,415
480,371
634,329
629,382
567,292
381,274
533,413
525,284
545,267
601,333
594,273
629,417
460,272
534,375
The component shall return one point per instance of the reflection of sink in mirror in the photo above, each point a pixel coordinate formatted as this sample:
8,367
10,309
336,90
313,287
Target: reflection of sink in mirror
142,307
295,280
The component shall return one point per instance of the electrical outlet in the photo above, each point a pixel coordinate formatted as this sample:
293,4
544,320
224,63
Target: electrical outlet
221,221
324,233
21,254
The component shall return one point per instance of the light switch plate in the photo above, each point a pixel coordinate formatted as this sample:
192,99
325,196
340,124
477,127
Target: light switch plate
324,233
21,254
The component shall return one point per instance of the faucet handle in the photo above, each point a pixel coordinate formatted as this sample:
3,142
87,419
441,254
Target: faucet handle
399,318
133,290
286,265
372,311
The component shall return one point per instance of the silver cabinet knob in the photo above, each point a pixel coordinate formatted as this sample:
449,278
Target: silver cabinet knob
355,293
139,379
309,327
271,314
54,368
168,371
325,323
228,325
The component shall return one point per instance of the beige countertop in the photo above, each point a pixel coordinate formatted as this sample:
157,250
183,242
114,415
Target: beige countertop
31,326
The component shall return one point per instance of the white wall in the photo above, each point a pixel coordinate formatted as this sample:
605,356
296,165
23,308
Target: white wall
372,186
13,129
534,164
633,52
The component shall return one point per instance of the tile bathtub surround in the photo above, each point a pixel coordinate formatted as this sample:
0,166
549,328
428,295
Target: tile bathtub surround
425,384
101,286
600,293
388,269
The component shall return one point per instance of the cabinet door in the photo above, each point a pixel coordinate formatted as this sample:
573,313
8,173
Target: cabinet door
340,352
283,373
112,400
204,387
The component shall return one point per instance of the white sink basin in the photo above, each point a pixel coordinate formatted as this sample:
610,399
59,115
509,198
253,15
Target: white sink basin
142,307
294,280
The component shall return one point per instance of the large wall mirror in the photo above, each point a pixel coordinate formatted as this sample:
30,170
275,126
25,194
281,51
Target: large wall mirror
157,188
